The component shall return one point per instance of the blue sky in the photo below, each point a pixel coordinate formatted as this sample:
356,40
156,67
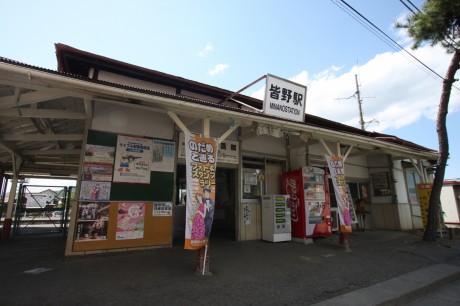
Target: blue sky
230,44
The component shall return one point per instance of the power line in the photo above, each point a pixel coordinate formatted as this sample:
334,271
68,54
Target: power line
407,6
414,6
389,38
360,18
379,35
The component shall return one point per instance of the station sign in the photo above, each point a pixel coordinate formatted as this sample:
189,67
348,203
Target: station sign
284,99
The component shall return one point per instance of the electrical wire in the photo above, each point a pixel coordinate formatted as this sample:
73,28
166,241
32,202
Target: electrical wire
414,6
407,6
360,18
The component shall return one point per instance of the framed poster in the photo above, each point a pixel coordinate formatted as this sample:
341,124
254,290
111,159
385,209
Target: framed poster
130,221
92,221
381,184
132,160
95,191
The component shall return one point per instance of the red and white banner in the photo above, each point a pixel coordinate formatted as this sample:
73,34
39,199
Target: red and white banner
201,160
337,169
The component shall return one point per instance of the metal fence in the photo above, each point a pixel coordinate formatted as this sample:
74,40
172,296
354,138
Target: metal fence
42,210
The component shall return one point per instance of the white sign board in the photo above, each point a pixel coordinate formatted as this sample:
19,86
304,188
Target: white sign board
229,150
284,99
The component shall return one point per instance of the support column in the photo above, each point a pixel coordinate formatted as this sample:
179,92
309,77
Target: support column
7,223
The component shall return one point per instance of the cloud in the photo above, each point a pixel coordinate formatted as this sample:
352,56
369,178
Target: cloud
395,90
206,50
218,69
401,34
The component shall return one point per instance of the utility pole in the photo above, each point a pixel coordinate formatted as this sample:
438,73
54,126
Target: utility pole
358,96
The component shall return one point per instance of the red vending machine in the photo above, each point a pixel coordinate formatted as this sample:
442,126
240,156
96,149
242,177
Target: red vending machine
308,191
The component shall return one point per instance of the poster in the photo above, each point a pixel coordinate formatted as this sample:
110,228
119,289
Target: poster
247,214
92,221
424,193
95,191
130,221
337,170
201,160
132,160
381,184
162,209
97,172
99,154
163,156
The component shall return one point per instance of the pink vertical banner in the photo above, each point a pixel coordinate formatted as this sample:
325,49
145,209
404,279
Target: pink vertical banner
337,170
201,160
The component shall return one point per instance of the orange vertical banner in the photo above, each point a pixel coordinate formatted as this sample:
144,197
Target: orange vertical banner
201,160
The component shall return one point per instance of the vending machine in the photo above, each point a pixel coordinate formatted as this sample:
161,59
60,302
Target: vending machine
308,192
276,218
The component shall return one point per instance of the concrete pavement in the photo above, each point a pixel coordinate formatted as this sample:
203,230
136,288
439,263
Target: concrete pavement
384,267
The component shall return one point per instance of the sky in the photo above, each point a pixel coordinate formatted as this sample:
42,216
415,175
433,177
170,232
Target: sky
230,44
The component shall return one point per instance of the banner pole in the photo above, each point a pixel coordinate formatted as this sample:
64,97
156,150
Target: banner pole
204,259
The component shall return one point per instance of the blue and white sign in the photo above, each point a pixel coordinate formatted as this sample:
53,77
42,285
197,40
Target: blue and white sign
284,99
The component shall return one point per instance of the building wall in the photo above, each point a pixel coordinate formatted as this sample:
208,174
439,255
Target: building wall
388,211
391,211
119,79
384,213
450,201
265,144
125,120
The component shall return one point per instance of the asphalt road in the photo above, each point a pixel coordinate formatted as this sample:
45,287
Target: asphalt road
34,271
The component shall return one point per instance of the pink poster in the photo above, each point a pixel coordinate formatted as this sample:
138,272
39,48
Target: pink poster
130,221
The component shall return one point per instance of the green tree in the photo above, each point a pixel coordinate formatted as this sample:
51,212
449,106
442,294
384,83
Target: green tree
438,22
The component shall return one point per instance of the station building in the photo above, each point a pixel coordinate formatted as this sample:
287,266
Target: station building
51,120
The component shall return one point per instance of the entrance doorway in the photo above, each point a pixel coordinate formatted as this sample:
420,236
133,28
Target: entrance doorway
223,225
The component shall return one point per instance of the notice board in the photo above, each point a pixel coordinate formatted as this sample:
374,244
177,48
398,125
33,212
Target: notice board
121,215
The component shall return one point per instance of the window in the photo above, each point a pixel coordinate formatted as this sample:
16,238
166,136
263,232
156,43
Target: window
256,172
412,179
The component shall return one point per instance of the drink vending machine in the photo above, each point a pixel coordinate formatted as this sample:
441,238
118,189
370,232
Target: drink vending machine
308,192
276,218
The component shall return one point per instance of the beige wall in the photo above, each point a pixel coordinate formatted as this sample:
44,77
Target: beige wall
253,230
124,120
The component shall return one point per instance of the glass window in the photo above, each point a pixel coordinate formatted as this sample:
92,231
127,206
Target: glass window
412,179
252,187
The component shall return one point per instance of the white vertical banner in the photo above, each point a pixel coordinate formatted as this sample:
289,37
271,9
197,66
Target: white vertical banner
201,160
337,170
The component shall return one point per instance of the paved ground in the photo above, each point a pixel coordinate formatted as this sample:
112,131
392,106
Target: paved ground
34,271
